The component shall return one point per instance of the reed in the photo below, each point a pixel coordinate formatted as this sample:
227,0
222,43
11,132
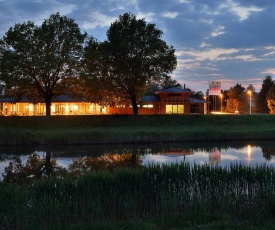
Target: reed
164,195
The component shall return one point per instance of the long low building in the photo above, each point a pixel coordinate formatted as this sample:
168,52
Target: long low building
167,101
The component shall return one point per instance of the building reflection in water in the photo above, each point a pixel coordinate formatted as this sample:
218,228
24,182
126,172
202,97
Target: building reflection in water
215,157
175,152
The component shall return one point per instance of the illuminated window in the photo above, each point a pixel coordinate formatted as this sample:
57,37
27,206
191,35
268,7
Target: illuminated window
147,106
174,109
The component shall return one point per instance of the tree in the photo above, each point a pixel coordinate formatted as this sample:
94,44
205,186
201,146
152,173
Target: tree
95,86
35,168
37,60
236,99
271,99
134,56
261,100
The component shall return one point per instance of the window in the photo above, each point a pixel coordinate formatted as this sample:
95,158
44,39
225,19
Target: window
174,109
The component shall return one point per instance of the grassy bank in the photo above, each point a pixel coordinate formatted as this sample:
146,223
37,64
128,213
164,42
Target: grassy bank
134,129
169,197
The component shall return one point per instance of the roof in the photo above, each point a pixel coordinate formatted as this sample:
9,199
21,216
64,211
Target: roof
68,98
13,99
60,98
7,99
195,100
173,90
149,98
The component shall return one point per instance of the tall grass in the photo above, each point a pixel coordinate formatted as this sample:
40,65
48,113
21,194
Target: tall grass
134,129
193,192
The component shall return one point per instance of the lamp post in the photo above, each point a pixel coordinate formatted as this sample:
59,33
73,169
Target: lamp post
205,105
249,92
221,101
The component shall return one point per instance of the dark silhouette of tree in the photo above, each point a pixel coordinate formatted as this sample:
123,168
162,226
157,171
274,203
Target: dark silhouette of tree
37,60
198,95
108,162
34,169
268,152
38,167
261,99
95,86
133,57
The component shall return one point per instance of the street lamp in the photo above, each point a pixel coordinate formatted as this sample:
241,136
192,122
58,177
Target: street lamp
205,105
249,92
221,101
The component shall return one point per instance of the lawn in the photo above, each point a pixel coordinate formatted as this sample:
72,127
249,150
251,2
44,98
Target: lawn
134,129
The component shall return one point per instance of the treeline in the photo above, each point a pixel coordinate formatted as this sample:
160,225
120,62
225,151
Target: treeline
245,100
41,62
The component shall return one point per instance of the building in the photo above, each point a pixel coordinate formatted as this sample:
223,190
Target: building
167,101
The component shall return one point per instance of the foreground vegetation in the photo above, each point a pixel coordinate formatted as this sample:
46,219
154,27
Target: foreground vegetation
134,129
155,197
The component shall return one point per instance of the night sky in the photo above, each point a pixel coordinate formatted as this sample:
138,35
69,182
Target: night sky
229,41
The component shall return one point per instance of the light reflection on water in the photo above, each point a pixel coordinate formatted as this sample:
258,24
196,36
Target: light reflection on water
222,154
248,155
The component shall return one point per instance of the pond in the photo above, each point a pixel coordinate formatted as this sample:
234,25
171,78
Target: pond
219,153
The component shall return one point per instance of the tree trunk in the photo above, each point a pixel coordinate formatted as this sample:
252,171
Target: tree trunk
134,104
48,101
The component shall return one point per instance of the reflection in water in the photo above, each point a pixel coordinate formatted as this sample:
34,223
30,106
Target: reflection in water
215,157
58,160
249,150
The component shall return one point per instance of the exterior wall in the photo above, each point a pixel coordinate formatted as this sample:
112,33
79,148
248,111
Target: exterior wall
57,108
175,100
150,108
76,108
177,103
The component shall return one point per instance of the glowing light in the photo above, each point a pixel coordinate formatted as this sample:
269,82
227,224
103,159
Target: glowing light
249,150
31,107
249,92
221,101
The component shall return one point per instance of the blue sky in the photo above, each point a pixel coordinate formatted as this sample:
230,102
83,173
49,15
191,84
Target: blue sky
231,41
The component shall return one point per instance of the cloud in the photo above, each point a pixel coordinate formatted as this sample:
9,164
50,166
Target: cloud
97,19
208,54
170,14
269,72
241,11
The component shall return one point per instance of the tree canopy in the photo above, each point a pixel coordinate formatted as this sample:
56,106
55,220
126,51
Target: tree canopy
133,57
271,99
261,100
36,61
236,99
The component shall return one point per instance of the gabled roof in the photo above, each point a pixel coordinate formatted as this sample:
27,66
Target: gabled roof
173,90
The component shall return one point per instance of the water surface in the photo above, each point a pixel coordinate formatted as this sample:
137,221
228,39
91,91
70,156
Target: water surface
218,153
